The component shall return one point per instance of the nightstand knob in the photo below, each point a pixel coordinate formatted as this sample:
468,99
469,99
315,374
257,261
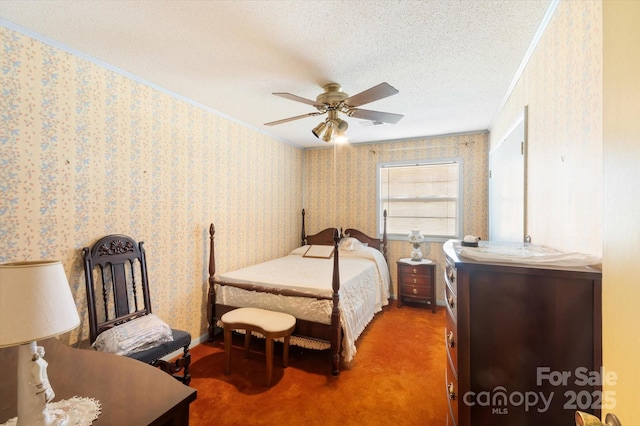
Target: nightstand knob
451,391
415,291
415,281
450,340
415,271
451,303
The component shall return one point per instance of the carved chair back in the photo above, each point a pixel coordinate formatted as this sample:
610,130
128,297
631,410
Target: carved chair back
117,285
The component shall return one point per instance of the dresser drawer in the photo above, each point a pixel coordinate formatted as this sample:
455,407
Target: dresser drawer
451,341
452,302
451,275
451,388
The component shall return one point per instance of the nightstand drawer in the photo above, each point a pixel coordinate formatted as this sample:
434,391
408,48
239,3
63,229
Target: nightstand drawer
407,269
410,290
415,280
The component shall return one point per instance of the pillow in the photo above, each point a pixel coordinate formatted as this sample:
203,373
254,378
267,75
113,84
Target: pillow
134,336
351,243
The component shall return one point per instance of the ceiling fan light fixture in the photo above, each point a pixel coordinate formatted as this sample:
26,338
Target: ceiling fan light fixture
319,129
328,134
340,138
341,125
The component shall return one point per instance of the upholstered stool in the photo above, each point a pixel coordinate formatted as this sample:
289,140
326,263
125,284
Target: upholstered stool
272,325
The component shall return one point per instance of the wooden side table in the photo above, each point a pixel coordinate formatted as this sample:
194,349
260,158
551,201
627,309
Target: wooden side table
131,392
417,282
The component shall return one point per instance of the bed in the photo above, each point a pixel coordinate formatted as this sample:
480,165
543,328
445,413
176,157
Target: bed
334,284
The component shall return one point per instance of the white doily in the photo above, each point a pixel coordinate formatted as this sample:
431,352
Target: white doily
76,411
530,255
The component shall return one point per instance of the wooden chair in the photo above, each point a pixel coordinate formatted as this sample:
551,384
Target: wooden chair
118,291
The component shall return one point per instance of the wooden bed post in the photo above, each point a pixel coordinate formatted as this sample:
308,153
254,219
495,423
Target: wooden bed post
211,299
303,237
336,329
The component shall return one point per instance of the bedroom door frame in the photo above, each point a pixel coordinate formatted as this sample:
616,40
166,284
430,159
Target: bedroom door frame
508,184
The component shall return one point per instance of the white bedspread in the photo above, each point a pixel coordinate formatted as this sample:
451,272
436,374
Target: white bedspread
364,289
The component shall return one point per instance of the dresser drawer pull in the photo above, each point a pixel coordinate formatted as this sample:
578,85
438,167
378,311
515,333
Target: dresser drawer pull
415,271
415,291
451,303
451,391
450,275
450,340
415,281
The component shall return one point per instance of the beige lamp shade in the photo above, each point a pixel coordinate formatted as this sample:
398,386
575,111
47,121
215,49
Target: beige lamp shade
35,302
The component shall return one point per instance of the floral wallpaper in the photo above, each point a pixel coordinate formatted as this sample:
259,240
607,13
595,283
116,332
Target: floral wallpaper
88,152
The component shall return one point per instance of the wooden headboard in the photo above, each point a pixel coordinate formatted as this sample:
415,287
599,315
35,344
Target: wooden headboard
326,236
323,238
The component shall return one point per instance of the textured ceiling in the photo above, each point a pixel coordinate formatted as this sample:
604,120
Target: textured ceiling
453,61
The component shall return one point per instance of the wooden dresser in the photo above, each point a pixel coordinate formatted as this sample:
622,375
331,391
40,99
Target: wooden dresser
416,282
524,343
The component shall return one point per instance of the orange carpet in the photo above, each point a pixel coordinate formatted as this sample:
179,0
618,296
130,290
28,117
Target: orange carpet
396,378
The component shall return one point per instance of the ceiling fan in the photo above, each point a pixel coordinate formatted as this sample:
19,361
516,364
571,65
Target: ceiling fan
333,100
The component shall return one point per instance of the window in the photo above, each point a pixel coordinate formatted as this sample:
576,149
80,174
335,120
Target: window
426,195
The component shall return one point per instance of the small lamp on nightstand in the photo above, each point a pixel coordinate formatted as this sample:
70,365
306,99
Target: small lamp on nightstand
35,304
416,239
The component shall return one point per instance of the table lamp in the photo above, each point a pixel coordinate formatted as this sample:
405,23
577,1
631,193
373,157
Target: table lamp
415,239
35,304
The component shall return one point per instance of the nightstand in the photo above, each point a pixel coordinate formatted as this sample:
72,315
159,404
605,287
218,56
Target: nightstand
417,282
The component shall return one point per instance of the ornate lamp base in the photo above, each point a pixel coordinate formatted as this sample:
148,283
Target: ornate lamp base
416,253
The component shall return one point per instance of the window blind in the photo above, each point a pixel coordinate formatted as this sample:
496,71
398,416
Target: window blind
421,196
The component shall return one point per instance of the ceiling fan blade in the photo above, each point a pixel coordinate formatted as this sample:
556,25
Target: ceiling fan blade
299,99
297,117
385,117
380,91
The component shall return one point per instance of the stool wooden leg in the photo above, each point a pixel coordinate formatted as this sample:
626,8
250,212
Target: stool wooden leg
285,351
227,348
247,342
269,350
